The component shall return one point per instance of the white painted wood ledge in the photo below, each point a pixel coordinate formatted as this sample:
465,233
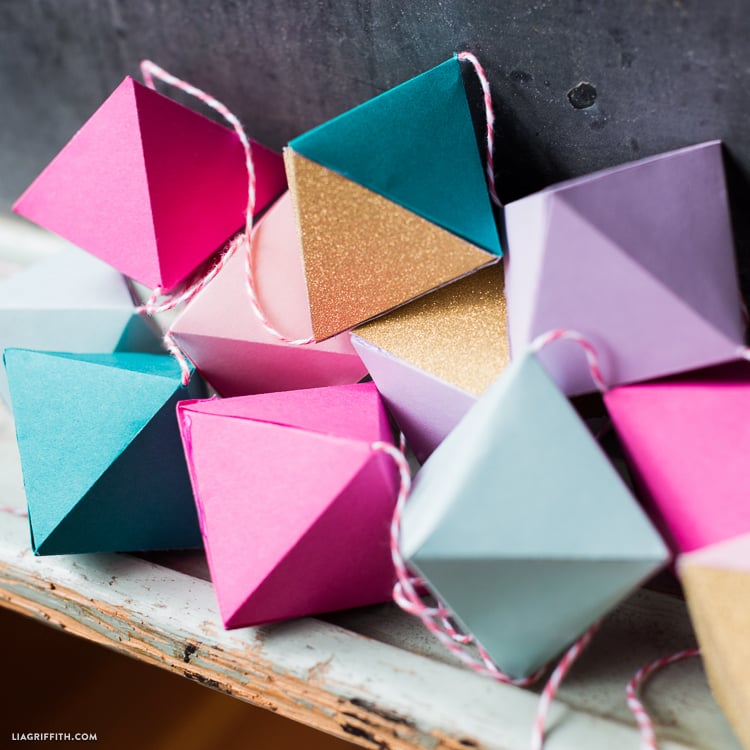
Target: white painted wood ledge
371,676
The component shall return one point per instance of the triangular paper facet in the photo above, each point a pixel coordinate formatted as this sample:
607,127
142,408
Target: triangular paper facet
294,502
431,359
686,440
716,580
415,145
424,407
71,302
638,258
233,351
472,525
167,182
364,254
100,451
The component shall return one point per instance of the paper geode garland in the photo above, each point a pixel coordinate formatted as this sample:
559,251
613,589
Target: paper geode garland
102,463
716,580
639,258
687,441
295,503
521,526
432,359
149,186
392,200
379,228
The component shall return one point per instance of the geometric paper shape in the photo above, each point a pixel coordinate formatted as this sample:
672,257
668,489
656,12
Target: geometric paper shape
149,186
424,407
638,258
221,334
686,440
365,255
431,359
716,580
521,525
415,145
295,505
71,302
102,461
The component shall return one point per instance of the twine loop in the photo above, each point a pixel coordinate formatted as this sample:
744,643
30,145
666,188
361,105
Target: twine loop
568,334
163,300
641,715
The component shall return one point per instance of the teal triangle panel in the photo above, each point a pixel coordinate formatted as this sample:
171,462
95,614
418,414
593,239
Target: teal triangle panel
415,145
526,611
75,415
143,501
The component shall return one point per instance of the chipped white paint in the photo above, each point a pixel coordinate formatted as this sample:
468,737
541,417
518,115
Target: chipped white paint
372,676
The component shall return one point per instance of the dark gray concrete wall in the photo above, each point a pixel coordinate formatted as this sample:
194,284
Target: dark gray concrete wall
663,73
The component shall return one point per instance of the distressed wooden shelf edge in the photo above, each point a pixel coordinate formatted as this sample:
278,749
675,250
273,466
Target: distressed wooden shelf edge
317,673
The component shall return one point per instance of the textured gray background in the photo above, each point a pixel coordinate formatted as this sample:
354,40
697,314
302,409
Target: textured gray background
666,72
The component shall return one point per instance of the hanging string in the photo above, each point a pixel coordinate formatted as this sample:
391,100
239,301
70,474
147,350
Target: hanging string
550,689
437,618
642,718
489,114
570,657
162,300
592,358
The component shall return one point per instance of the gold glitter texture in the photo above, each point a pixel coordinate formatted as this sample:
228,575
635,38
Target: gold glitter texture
457,333
718,602
363,254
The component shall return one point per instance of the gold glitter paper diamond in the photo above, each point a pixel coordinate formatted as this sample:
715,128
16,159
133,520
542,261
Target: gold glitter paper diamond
457,333
718,601
365,255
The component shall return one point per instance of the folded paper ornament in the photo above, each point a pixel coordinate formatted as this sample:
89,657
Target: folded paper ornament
102,461
71,302
391,200
229,345
638,258
149,186
716,581
432,359
686,440
295,503
521,526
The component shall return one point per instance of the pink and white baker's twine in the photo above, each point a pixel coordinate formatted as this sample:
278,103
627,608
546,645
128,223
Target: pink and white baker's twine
558,334
490,118
14,511
645,725
550,689
243,240
437,618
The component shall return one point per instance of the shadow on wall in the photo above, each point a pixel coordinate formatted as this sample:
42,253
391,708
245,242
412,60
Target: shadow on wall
738,185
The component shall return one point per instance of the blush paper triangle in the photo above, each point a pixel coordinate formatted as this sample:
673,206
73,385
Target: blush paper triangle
473,527
716,580
312,534
229,345
71,302
168,183
365,255
431,359
686,440
415,145
100,451
638,258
